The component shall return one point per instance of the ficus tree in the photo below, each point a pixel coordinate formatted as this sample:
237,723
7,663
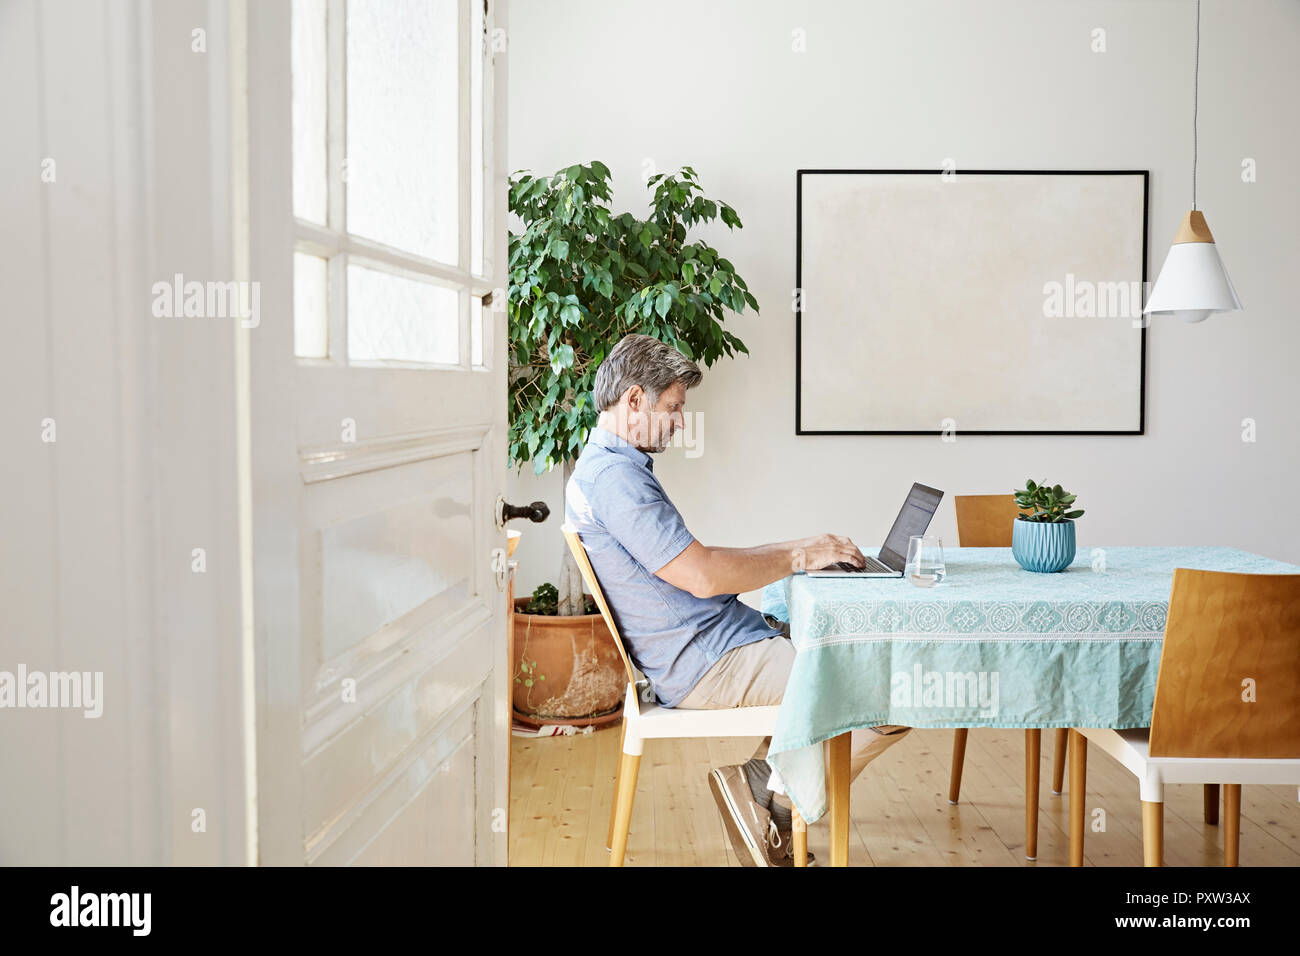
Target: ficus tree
582,277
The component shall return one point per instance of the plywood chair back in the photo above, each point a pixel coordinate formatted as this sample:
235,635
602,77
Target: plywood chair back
1229,680
984,521
589,575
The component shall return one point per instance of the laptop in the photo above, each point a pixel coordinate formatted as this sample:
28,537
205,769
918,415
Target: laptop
913,518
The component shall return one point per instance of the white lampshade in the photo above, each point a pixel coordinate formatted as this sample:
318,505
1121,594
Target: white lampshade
1193,282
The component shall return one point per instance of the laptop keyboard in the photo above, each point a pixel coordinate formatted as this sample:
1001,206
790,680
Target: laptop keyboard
872,565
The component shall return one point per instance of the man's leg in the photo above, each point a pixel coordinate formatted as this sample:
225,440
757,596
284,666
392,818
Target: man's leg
755,675
868,743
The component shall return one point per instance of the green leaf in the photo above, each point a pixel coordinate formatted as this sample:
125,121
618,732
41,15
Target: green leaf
715,285
663,304
570,315
559,248
688,270
645,236
562,358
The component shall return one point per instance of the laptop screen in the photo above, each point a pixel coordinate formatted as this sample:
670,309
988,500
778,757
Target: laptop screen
914,518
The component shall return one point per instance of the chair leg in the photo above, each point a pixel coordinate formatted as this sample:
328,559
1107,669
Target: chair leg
800,833
613,804
958,760
1153,833
1058,759
1033,753
1210,797
1231,823
627,773
1078,786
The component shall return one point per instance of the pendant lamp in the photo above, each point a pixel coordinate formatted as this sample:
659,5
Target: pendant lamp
1193,282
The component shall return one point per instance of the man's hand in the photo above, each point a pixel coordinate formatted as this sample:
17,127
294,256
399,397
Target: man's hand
812,554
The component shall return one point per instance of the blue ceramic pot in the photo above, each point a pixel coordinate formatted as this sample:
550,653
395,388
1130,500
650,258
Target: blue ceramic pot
1043,546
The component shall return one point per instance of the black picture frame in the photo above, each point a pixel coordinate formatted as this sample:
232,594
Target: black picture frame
798,339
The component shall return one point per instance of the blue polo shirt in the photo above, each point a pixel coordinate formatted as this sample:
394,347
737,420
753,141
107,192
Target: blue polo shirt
630,530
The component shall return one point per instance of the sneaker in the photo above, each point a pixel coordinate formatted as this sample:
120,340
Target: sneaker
779,846
745,821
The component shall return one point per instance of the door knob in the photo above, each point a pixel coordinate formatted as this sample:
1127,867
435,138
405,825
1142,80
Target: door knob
537,511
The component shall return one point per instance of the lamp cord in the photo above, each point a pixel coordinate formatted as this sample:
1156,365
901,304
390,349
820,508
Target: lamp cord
1196,88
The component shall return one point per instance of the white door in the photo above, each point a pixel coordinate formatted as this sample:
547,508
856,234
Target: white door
376,198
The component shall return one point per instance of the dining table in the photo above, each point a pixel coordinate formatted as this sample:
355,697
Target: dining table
991,645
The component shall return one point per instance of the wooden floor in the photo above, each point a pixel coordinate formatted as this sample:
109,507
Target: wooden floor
561,789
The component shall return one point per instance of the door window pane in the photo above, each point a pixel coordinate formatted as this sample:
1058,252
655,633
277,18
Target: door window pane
308,71
393,317
310,326
402,125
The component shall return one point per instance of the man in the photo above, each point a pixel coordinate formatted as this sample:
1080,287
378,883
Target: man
675,600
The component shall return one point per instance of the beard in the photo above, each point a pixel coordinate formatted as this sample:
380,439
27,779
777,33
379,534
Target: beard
663,440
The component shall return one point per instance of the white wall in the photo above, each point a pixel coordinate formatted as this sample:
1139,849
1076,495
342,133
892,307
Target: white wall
996,85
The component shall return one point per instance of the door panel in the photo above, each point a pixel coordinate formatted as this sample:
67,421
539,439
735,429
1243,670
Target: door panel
384,710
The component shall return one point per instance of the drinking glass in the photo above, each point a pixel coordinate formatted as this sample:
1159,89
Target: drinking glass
925,566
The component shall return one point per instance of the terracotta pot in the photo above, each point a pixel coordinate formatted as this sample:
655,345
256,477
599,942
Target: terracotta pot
584,676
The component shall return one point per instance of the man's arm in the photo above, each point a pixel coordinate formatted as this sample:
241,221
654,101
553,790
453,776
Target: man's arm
705,571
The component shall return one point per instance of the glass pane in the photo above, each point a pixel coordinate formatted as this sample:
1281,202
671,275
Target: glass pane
478,49
310,323
308,55
403,166
392,317
475,330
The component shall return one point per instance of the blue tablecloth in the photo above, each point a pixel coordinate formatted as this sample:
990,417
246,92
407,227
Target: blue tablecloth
992,646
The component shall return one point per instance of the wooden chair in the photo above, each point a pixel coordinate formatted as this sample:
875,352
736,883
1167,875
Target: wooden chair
984,521
1226,709
642,721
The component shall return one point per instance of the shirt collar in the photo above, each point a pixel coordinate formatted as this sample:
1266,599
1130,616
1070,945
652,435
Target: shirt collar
616,443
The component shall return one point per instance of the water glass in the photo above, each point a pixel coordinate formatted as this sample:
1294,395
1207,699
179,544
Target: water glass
925,566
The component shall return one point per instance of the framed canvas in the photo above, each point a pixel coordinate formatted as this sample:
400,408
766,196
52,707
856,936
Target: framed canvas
977,302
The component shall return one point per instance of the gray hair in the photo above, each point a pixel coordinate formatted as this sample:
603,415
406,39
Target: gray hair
642,360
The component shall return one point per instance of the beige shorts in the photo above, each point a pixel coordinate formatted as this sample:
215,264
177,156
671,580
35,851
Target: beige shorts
753,675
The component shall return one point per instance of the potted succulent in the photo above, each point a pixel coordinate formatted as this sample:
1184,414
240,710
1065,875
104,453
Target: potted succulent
1043,538
582,277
